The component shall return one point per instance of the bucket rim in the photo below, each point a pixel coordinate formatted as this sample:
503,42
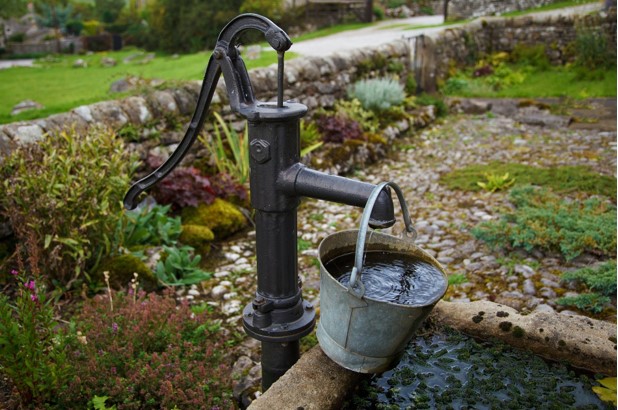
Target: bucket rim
426,255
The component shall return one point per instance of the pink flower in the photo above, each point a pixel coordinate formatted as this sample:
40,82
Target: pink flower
31,285
14,272
34,298
114,327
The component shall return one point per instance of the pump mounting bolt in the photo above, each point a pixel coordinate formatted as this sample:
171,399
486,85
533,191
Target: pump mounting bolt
260,151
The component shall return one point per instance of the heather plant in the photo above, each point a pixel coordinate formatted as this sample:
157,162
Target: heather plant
65,193
148,353
32,352
544,220
378,94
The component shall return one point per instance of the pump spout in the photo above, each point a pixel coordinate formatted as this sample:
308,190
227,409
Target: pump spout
302,181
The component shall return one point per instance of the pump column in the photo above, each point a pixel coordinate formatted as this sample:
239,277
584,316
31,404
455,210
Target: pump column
277,316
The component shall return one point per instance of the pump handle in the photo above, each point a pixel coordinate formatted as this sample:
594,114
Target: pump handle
226,59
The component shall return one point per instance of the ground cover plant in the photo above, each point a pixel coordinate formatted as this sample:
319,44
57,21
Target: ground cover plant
600,283
561,179
544,220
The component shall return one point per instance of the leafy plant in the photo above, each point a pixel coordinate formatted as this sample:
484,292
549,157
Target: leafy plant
338,129
63,197
149,226
148,353
353,110
310,138
184,186
378,94
544,220
495,182
601,279
180,267
592,50
591,302
31,352
457,279
229,149
531,55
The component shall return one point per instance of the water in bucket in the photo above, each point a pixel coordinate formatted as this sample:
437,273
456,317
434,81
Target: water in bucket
392,277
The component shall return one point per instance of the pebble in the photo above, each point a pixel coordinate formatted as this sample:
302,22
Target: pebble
545,308
529,288
218,291
524,270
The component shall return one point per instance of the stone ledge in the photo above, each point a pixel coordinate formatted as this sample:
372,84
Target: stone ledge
316,383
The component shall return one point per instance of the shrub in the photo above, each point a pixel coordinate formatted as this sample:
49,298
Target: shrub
590,302
378,94
592,51
146,353
545,220
531,55
184,186
601,279
337,128
353,110
63,197
31,353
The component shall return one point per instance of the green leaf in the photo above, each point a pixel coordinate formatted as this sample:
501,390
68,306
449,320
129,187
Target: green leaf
607,390
48,239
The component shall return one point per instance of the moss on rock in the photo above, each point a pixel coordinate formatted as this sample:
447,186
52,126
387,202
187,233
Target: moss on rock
197,236
222,217
121,269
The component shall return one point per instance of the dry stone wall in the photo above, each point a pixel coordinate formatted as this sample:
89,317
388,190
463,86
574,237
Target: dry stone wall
463,45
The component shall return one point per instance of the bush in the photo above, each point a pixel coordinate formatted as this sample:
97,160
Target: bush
149,226
546,221
534,56
601,279
592,50
378,94
31,353
337,128
63,197
146,353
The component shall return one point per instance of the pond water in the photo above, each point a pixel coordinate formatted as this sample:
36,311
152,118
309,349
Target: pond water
451,371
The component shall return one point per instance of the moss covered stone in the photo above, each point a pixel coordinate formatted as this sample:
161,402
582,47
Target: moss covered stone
121,269
197,236
222,217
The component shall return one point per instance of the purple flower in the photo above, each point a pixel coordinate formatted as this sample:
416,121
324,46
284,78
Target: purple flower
34,298
31,285
115,327
14,272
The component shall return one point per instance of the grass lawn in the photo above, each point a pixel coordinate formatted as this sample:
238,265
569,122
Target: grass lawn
60,87
555,82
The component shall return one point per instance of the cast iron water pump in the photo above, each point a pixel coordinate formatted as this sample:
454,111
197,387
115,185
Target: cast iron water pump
278,316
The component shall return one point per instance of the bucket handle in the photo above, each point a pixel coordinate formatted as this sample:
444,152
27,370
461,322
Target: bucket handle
356,286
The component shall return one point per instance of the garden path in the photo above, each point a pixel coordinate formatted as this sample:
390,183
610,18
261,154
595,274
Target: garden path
391,30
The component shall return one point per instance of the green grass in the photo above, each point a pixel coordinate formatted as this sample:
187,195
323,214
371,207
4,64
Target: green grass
60,87
565,179
554,82
548,7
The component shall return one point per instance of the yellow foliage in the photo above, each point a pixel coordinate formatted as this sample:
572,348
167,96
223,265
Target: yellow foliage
607,390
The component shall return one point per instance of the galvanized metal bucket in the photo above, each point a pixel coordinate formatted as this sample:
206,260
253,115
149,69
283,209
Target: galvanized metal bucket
356,331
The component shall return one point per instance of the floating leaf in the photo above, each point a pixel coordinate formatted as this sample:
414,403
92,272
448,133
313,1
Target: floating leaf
607,390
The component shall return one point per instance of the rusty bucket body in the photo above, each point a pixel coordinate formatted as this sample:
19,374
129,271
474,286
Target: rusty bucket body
359,333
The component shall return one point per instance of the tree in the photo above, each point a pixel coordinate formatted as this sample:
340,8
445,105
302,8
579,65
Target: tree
108,10
13,8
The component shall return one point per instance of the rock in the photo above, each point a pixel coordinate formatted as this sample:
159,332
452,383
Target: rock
26,105
529,288
583,342
108,62
475,107
80,63
120,86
